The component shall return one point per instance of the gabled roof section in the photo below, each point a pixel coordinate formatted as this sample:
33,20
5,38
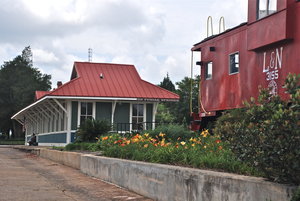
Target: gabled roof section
40,94
110,80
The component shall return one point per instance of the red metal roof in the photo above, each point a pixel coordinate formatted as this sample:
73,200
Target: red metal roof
109,80
40,94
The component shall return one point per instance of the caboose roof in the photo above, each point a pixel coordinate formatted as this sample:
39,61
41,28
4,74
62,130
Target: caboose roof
197,46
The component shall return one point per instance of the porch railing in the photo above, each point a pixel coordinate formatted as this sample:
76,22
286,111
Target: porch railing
127,127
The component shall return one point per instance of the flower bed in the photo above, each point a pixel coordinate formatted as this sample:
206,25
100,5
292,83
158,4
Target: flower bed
200,151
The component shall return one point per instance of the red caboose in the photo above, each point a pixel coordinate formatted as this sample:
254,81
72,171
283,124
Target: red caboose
260,52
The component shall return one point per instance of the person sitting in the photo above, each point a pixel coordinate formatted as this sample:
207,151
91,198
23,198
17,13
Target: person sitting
32,141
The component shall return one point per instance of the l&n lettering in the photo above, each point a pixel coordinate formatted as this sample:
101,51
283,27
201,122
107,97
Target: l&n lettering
274,63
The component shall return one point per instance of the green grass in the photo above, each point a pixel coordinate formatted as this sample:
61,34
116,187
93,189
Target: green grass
12,142
82,146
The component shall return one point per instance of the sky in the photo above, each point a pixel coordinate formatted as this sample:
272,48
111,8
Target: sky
154,35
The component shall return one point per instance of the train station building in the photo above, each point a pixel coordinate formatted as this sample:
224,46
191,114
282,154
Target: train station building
112,92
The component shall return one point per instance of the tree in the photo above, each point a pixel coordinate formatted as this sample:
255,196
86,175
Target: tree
18,82
163,111
182,108
167,84
179,112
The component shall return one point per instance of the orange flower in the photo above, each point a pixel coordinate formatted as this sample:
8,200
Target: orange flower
205,133
122,145
220,147
167,144
146,145
135,139
105,138
176,146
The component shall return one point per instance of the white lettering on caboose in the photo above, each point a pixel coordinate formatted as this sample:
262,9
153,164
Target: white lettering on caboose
271,65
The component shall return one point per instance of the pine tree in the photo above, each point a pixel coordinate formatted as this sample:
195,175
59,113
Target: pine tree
167,84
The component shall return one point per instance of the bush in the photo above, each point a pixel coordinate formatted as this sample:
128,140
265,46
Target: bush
91,129
266,133
173,132
296,195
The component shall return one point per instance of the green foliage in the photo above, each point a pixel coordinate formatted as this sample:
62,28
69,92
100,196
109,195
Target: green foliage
296,195
91,129
203,151
82,146
182,109
179,112
266,133
167,84
163,114
18,83
173,132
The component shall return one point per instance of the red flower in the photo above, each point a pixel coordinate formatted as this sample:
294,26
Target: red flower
218,141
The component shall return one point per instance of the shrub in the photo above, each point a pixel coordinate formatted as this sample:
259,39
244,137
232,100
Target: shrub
266,133
296,195
91,129
172,132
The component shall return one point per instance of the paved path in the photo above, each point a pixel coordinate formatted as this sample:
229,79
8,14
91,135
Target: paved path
26,177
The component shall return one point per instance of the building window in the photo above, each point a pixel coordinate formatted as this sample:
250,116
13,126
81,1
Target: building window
137,116
266,7
208,70
86,111
234,63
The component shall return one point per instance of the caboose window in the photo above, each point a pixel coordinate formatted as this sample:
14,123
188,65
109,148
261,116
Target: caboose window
266,7
208,71
234,63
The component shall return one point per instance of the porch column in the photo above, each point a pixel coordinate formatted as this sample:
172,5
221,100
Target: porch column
155,106
69,120
113,108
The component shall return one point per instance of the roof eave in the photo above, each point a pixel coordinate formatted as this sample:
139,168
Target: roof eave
29,106
93,98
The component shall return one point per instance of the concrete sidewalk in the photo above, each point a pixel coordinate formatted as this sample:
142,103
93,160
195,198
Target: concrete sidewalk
26,177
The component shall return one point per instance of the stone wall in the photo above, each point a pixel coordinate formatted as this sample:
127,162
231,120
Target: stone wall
171,183
165,182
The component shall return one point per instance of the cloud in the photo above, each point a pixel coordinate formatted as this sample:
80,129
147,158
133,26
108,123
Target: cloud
42,56
154,35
